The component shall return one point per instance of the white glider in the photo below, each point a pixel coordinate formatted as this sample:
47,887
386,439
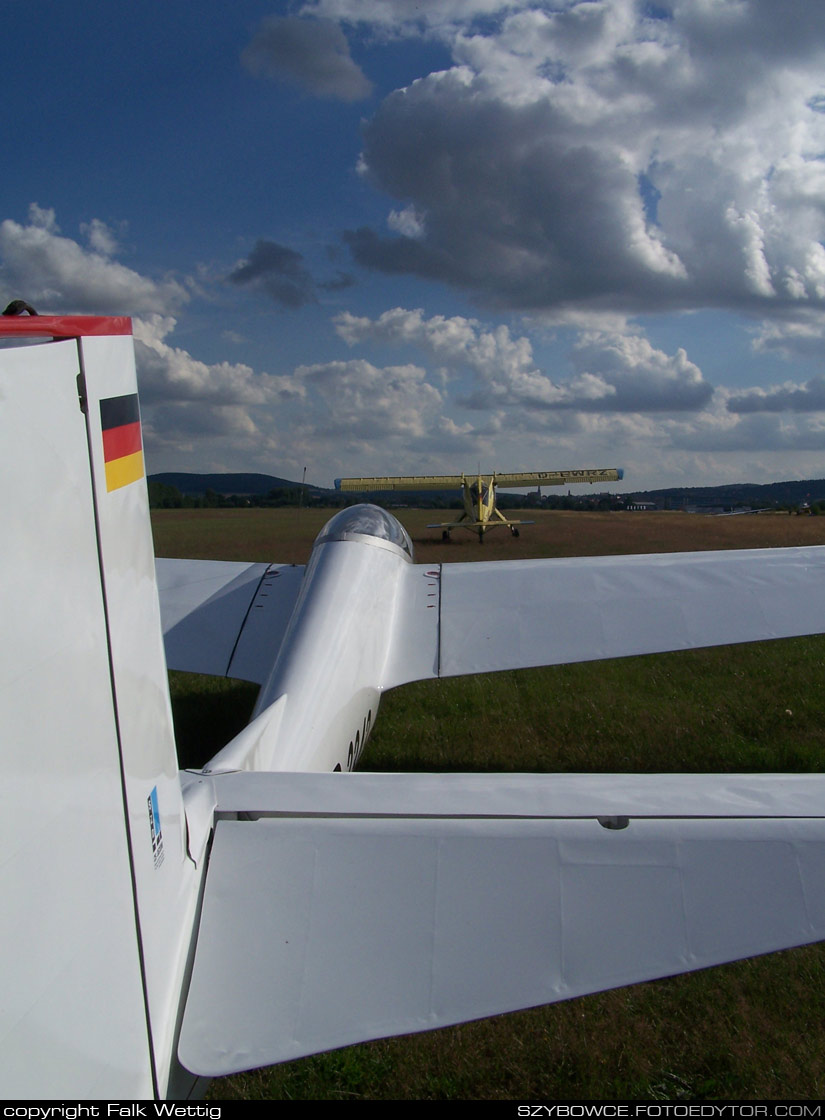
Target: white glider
162,926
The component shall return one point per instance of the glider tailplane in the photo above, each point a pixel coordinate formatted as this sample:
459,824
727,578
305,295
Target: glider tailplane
391,903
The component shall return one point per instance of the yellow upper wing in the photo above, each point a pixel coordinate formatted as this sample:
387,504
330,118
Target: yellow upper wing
402,482
452,481
559,478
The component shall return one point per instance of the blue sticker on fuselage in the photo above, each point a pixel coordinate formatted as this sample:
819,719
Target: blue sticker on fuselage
154,827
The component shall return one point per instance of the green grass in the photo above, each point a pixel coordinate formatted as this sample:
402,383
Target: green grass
746,1031
741,708
208,712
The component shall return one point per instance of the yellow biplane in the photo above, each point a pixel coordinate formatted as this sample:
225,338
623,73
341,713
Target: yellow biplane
479,493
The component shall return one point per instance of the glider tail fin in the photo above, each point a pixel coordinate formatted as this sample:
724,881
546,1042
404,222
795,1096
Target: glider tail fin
94,794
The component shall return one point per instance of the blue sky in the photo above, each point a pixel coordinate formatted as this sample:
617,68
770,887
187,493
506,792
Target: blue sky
386,236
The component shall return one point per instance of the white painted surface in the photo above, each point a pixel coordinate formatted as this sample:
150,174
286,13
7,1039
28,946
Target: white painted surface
225,618
266,623
453,619
352,927
524,795
166,887
317,707
72,1014
413,653
514,614
204,604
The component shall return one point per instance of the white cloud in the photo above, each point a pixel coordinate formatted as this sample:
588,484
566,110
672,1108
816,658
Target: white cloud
101,238
603,154
346,417
57,274
201,416
644,378
365,400
408,222
167,373
800,334
758,433
405,18
579,161
43,217
806,396
453,337
615,371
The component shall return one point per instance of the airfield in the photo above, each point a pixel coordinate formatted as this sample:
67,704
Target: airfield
746,1031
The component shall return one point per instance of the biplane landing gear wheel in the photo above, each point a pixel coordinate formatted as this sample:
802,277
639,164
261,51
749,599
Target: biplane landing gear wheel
445,536
514,530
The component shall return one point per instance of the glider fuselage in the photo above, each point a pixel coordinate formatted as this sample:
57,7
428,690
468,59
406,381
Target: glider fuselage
317,707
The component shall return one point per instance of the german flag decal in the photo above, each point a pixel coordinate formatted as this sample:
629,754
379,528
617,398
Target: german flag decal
122,446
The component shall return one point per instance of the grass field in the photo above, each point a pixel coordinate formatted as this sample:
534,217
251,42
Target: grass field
751,1030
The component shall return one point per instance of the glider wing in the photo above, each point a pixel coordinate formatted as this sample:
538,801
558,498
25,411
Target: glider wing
224,618
514,614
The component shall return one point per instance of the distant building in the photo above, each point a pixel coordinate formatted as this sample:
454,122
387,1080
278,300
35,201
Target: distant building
634,505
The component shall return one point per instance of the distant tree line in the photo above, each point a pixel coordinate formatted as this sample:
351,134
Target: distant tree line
164,496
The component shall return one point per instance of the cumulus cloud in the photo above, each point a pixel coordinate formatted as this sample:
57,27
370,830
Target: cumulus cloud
58,274
453,337
167,373
511,200
351,412
801,334
790,397
311,53
614,371
643,378
756,433
607,154
404,18
407,222
215,416
371,402
189,422
101,238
